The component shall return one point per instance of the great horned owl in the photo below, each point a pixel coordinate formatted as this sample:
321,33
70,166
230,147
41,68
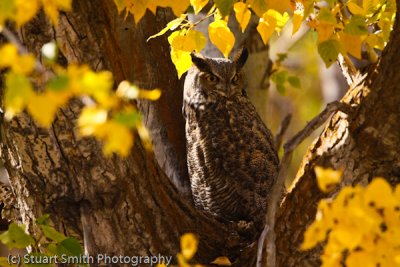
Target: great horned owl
231,156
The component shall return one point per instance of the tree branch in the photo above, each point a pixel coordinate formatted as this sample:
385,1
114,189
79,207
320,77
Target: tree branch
283,169
282,130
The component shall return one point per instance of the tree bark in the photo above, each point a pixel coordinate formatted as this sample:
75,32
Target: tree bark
364,143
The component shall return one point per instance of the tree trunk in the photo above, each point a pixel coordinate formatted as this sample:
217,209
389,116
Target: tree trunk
364,143
139,205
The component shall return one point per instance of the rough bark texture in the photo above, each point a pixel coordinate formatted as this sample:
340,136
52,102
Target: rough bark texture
364,143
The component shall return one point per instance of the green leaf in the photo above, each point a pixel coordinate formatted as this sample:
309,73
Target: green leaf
43,220
18,91
327,16
58,83
258,6
281,57
294,81
52,233
130,119
329,51
69,247
15,237
51,249
224,6
279,78
7,8
356,26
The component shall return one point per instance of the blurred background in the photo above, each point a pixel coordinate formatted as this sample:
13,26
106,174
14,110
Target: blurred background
318,86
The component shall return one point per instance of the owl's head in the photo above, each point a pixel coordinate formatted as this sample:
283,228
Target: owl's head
213,78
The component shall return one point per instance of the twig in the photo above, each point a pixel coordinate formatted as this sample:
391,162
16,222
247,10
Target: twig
260,247
282,130
283,169
13,39
315,123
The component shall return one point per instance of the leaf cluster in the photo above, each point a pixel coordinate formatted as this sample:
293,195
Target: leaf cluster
46,243
360,226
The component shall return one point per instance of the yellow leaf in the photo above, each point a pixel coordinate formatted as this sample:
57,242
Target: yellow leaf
297,20
332,255
98,85
360,258
178,7
19,64
25,11
351,44
355,9
137,8
24,64
144,135
221,36
190,41
271,21
150,94
371,6
222,261
325,31
314,234
379,194
281,19
120,5
51,8
117,138
181,60
9,55
327,178
189,244
90,119
182,44
348,237
43,107
198,5
266,27
182,262
17,93
7,9
127,90
242,14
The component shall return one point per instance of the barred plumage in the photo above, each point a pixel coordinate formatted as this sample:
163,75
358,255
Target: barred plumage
231,157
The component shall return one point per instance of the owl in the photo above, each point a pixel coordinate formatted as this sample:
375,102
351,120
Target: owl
231,156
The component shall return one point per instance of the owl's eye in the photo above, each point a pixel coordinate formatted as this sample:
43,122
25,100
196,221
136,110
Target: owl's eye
211,78
235,78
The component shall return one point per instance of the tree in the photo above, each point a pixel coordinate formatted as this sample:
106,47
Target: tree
141,204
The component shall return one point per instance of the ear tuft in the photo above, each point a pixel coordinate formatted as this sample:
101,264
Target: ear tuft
200,62
240,57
